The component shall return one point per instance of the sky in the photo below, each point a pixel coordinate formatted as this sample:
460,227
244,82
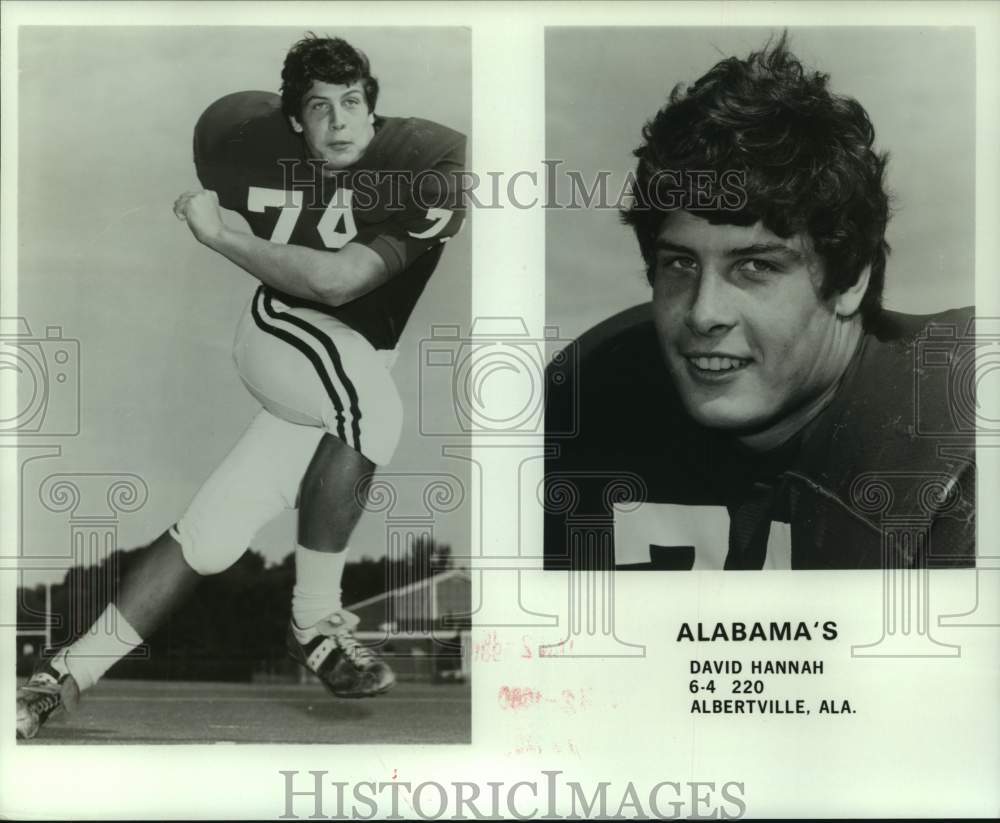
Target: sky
917,84
106,118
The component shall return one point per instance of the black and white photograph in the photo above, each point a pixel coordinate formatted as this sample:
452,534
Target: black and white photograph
771,298
369,371
231,249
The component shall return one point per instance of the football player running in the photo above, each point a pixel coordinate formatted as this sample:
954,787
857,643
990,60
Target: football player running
349,212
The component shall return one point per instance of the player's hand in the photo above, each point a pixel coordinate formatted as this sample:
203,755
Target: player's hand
200,210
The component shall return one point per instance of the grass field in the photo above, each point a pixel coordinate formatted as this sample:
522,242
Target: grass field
143,711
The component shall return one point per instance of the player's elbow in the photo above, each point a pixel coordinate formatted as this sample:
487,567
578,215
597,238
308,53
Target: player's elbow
348,279
328,292
332,287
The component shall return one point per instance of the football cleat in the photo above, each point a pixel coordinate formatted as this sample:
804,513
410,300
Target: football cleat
47,690
331,652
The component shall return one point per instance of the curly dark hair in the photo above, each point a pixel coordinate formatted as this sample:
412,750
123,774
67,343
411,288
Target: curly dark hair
803,155
329,60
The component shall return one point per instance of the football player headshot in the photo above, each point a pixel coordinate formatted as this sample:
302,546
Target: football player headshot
348,212
763,407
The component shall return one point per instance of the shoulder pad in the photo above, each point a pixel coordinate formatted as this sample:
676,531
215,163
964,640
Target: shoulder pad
613,375
412,144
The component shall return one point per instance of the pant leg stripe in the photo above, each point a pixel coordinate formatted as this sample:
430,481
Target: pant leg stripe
307,350
338,365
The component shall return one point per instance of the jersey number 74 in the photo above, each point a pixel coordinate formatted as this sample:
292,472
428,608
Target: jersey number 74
336,227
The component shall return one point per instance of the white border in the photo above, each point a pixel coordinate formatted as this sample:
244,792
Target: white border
508,91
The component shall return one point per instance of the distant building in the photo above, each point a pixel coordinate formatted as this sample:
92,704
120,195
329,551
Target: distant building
440,602
422,628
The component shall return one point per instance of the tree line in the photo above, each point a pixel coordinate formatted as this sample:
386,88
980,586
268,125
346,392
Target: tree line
232,628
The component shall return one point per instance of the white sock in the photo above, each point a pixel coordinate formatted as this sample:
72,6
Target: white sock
317,585
108,640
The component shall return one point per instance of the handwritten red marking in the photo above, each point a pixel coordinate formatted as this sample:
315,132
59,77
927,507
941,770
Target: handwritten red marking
515,697
556,650
575,701
526,654
489,650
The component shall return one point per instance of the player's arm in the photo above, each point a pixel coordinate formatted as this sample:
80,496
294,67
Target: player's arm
333,278
432,215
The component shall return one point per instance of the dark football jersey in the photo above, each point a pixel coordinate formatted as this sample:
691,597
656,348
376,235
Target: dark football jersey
884,476
402,198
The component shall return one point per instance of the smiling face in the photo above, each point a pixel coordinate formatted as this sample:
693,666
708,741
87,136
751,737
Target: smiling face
335,123
747,338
